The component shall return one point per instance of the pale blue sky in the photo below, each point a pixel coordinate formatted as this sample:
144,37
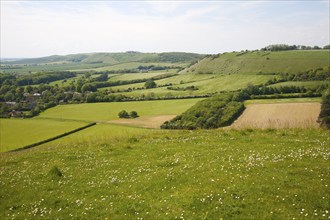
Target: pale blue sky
41,28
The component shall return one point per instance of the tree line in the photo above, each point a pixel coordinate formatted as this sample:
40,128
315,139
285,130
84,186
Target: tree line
283,47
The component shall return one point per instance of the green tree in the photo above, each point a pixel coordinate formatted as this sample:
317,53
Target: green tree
150,84
326,47
133,114
324,116
123,114
91,97
103,77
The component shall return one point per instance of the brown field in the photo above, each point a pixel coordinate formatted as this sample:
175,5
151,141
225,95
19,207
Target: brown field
145,121
280,115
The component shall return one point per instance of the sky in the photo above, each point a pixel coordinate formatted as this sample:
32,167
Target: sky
43,28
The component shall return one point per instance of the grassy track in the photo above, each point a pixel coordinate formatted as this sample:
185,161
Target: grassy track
16,133
215,174
109,111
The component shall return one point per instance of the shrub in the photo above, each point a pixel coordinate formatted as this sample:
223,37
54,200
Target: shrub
55,172
133,114
123,114
324,116
150,84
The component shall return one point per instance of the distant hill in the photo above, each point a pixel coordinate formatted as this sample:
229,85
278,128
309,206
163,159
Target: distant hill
262,62
112,58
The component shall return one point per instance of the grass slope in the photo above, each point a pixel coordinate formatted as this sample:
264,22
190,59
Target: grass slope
214,174
263,62
16,133
109,111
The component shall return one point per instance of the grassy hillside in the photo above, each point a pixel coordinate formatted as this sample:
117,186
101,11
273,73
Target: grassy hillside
172,175
263,62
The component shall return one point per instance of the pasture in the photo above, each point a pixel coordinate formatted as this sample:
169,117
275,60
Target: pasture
102,112
279,115
17,133
206,83
203,174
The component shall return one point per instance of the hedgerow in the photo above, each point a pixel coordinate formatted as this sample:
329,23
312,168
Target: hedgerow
217,111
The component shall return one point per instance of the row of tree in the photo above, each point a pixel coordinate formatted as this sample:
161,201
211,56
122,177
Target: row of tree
282,47
125,114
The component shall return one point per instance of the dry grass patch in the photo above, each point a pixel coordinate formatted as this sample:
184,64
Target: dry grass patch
279,115
144,121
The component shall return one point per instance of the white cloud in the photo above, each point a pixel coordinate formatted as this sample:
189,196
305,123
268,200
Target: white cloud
30,30
164,7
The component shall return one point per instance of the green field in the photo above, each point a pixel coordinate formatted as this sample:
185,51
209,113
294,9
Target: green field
133,76
109,111
16,133
306,84
210,174
103,132
206,83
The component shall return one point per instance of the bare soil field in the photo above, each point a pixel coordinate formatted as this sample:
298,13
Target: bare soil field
279,115
144,121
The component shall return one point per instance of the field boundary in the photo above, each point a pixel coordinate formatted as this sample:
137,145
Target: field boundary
53,138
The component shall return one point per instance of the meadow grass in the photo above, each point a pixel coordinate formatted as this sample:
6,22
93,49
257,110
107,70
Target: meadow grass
109,111
16,133
202,174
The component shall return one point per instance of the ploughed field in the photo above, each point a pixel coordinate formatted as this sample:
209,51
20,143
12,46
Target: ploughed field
279,115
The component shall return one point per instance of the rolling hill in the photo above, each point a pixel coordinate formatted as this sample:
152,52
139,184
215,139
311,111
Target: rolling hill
111,58
262,62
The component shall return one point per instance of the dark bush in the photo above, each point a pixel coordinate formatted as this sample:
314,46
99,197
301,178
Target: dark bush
123,114
133,114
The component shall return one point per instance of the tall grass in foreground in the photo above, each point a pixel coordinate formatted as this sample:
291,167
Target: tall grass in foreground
202,174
